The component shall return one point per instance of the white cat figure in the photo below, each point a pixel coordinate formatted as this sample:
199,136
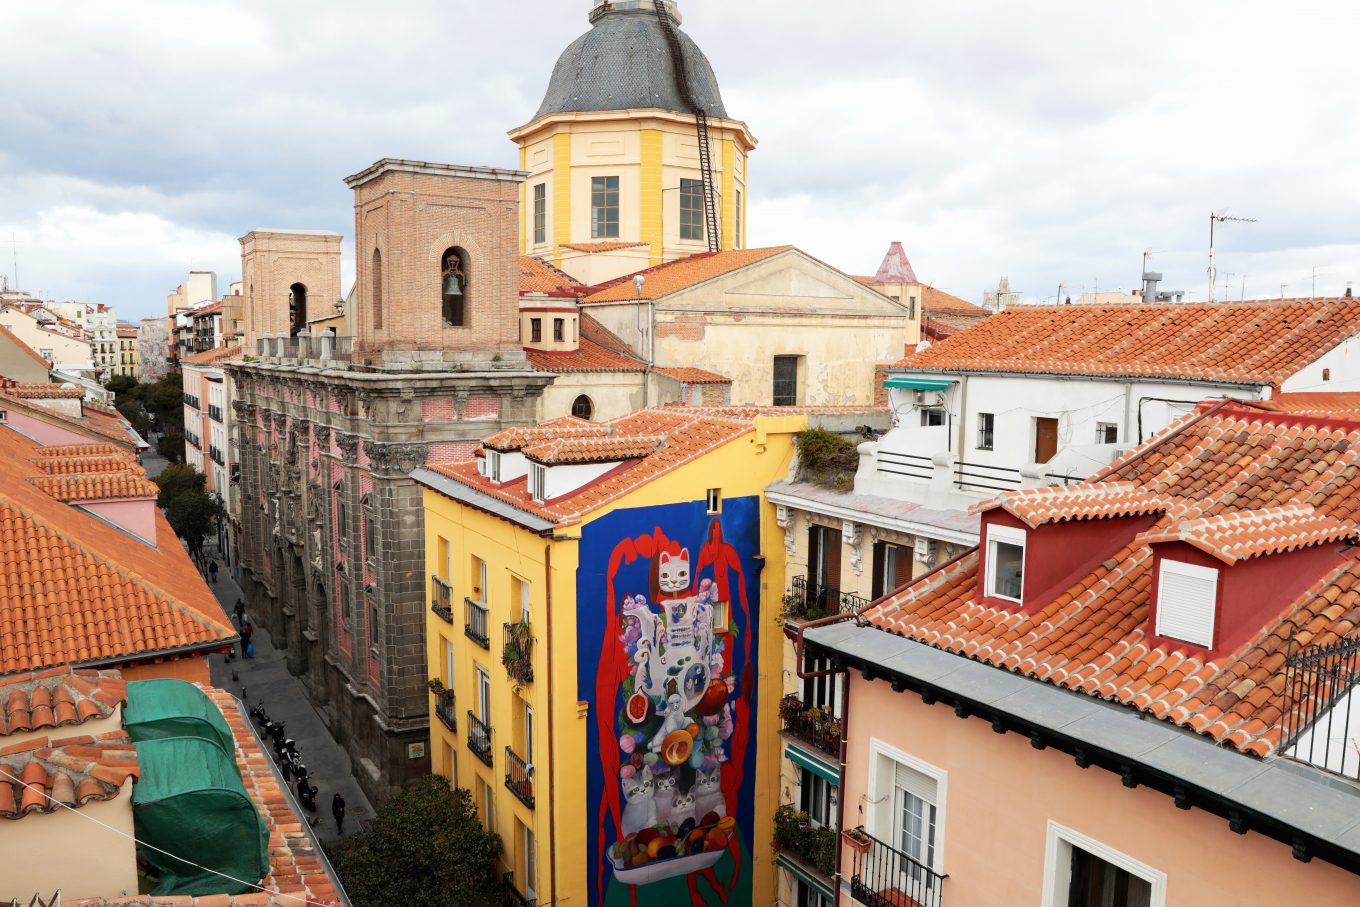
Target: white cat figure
682,808
676,720
639,809
664,796
707,790
673,572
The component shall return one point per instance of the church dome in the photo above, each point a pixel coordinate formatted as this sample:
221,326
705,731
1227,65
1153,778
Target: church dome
624,63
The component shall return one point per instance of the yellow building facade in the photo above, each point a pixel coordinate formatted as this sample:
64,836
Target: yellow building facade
128,362
596,640
614,153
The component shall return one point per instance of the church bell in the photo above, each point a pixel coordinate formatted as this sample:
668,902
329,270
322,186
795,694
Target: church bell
451,285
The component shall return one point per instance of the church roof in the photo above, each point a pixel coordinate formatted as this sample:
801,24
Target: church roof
624,63
895,267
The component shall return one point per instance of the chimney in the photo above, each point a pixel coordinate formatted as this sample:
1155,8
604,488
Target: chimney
1150,281
1348,289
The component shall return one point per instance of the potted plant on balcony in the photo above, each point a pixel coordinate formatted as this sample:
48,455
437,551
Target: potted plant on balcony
515,653
791,707
857,839
436,686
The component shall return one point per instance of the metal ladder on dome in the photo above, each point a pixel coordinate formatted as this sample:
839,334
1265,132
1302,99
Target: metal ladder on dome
663,16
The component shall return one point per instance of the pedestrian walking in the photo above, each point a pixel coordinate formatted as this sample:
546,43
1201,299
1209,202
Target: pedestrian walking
212,571
247,648
338,810
240,612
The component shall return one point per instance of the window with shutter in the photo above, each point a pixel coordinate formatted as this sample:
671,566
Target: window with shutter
1187,595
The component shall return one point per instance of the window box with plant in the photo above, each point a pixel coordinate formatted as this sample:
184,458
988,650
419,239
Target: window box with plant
517,655
857,839
444,706
814,845
817,726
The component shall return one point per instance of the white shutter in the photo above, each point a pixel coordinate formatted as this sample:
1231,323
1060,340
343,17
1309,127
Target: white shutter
1186,597
916,783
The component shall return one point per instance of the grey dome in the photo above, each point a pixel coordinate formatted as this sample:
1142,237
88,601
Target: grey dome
623,63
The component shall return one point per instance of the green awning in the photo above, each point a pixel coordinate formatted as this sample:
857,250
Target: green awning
915,383
806,875
812,764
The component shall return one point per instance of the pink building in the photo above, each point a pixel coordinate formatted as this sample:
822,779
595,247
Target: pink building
1136,691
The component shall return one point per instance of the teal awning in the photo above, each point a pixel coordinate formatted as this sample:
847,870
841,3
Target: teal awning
915,383
812,764
807,875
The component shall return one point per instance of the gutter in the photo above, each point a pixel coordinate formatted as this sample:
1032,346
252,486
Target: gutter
195,649
1150,379
952,536
493,505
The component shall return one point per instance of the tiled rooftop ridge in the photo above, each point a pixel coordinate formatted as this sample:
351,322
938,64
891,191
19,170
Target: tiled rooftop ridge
34,391
1060,503
71,771
1231,537
96,486
513,439
92,449
58,697
594,449
67,466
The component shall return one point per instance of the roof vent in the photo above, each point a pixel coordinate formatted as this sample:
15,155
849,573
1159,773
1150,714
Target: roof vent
1348,289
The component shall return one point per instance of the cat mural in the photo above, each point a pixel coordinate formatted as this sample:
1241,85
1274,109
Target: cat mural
675,737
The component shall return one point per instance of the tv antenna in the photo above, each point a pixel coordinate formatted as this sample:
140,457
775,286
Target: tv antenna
1219,217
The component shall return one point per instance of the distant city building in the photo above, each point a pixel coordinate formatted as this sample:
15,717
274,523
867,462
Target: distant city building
62,344
153,349
128,363
1002,298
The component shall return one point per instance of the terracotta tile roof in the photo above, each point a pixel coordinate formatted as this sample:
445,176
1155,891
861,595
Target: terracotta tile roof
681,274
92,423
565,427
211,308
1338,405
127,331
96,486
93,449
941,304
1232,537
23,347
588,357
537,276
81,590
70,770
115,461
1259,342
58,697
1229,461
41,391
213,356
593,247
593,450
693,375
1063,503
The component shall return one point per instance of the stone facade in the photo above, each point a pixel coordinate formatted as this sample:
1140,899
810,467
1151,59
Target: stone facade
153,349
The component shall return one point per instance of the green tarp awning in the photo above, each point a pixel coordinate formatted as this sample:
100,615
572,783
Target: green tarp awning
806,875
915,383
811,763
174,708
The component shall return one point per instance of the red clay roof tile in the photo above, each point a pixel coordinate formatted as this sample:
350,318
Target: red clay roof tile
681,274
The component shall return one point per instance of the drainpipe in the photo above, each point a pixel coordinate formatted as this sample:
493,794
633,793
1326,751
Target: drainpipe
963,411
552,716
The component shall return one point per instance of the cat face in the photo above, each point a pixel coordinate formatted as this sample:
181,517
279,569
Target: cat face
683,801
638,788
673,572
706,782
665,783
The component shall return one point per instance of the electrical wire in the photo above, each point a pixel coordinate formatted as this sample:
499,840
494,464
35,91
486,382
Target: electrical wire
5,772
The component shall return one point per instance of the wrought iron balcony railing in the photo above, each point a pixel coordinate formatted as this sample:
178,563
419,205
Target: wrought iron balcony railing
511,896
810,601
812,725
882,876
445,709
479,737
474,622
1316,723
518,778
441,599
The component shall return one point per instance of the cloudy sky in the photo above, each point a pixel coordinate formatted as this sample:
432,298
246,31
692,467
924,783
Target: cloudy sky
1050,141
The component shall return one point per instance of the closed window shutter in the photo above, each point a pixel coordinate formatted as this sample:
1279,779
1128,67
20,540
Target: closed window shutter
1186,597
916,783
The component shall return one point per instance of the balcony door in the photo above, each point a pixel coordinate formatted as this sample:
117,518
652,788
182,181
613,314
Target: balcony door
484,697
892,567
915,796
824,568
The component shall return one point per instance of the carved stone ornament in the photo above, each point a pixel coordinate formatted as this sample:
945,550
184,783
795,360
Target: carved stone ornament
244,411
854,537
787,519
280,421
349,448
323,437
400,458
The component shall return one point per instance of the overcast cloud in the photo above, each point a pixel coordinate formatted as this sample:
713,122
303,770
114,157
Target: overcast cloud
1049,141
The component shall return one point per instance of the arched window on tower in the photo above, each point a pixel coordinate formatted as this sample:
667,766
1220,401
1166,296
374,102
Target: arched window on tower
455,287
377,290
583,408
297,309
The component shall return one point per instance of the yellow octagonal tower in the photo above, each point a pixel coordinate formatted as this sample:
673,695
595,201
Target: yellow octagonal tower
632,158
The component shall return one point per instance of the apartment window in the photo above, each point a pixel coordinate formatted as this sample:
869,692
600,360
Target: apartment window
1005,562
1326,374
540,213
807,896
909,811
932,417
604,207
448,664
538,480
559,330
1082,872
986,425
535,330
785,380
715,500
736,232
1107,433
444,562
488,807
911,307
493,465
822,692
582,408
530,865
691,209
1187,597
892,567
523,599
370,532
817,797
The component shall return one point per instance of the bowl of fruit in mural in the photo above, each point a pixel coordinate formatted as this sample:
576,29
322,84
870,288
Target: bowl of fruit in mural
664,852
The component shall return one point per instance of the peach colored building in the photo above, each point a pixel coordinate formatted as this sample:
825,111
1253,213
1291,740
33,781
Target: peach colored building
1136,691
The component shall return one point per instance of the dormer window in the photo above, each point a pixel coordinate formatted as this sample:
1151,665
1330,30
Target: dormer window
538,481
493,465
1187,597
1005,562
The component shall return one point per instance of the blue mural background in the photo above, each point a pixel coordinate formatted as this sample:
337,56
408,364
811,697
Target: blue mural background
689,526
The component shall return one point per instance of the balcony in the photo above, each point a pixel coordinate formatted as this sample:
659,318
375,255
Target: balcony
511,896
884,877
811,724
441,599
216,454
518,778
809,601
191,400
445,710
214,412
474,623
812,845
479,738
518,654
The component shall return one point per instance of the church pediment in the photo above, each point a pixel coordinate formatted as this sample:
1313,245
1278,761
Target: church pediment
786,282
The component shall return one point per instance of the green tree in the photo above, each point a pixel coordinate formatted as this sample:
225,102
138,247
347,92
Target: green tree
131,409
171,447
426,848
164,400
178,479
193,514
121,384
